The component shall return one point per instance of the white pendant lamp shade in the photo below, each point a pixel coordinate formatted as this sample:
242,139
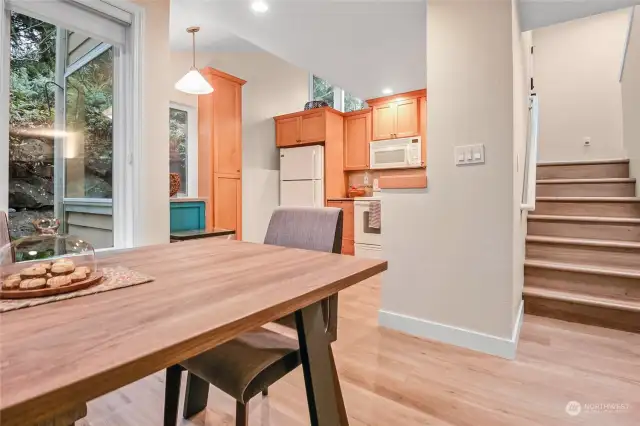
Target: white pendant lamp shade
193,82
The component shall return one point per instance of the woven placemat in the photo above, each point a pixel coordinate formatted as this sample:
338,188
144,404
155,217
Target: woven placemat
114,278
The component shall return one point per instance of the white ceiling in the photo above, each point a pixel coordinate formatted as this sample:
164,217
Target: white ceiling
542,13
360,45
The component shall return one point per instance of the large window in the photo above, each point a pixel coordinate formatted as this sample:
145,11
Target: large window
68,141
322,90
183,148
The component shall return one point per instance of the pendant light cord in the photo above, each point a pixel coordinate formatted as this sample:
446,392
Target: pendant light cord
193,35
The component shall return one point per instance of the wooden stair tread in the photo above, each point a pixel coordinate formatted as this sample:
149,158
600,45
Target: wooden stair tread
583,242
590,180
583,163
600,219
585,269
591,199
583,299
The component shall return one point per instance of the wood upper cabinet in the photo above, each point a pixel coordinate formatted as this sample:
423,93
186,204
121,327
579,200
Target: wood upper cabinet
396,116
227,128
313,127
303,128
407,118
228,206
384,121
357,136
287,132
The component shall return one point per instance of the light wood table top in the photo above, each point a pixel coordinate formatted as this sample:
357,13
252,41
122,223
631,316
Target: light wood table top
206,292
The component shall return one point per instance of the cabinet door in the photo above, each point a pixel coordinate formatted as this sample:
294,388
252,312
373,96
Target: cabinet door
348,247
287,132
384,121
227,128
357,131
347,222
407,118
313,128
227,194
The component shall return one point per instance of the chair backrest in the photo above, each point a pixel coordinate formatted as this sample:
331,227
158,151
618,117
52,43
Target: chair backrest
4,233
317,229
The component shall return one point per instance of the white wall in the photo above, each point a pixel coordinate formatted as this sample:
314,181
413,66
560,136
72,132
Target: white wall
577,66
450,247
151,223
273,87
631,99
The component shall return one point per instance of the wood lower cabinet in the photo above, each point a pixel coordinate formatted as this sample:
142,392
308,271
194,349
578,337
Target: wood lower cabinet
348,246
357,136
228,203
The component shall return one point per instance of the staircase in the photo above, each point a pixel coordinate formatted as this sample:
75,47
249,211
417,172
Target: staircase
583,245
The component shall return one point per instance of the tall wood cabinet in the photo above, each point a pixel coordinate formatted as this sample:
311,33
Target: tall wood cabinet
220,150
357,136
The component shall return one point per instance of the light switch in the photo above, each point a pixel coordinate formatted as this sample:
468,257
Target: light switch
469,154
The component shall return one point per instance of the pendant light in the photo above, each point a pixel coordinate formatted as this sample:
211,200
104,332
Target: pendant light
193,82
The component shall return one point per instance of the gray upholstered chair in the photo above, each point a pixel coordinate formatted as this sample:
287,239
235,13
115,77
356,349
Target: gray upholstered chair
4,229
249,364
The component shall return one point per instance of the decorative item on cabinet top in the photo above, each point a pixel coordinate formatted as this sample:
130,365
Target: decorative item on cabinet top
315,104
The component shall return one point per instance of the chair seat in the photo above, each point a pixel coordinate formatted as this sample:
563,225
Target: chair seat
246,365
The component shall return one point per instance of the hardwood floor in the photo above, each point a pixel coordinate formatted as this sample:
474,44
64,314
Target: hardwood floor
392,379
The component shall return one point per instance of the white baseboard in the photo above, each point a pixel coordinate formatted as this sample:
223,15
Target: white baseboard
493,345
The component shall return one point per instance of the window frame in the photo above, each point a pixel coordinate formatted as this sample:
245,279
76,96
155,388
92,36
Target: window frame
128,125
192,148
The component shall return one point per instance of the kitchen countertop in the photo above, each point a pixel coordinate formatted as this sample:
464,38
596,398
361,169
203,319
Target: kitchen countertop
187,199
340,199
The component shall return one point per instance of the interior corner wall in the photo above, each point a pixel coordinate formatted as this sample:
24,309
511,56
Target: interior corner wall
449,246
273,87
631,99
151,223
577,71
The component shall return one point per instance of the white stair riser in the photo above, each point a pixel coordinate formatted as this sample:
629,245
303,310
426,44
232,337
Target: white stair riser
583,283
583,171
587,230
584,255
614,189
588,208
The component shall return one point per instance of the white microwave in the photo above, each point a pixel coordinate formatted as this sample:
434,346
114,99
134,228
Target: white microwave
395,153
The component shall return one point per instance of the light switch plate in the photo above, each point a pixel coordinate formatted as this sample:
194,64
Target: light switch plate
469,154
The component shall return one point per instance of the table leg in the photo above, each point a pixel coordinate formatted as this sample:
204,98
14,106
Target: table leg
324,396
172,395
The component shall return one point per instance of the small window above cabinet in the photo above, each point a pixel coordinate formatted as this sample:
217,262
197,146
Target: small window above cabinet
357,136
396,116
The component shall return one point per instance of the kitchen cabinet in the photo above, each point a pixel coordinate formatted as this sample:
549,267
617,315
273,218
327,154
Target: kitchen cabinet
220,150
303,128
228,206
396,116
348,246
357,136
287,132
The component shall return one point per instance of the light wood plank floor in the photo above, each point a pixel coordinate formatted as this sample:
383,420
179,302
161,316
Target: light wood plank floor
391,379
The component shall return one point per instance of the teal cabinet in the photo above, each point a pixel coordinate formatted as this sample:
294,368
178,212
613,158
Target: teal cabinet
187,215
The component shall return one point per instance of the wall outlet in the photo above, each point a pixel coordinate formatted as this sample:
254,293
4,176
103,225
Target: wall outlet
587,141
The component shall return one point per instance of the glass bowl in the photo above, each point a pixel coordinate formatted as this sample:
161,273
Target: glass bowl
44,256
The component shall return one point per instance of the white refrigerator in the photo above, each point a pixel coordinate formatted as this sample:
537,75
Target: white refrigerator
302,176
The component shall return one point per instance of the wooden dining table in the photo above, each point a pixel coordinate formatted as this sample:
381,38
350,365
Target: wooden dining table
206,292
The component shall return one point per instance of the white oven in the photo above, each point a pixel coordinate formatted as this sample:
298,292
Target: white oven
396,153
365,236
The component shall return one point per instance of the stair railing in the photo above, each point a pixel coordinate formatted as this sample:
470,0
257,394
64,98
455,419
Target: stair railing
531,158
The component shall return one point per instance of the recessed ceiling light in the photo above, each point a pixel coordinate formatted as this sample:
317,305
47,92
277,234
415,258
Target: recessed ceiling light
387,91
259,6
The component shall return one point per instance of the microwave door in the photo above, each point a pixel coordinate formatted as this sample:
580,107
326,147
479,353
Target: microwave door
384,158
